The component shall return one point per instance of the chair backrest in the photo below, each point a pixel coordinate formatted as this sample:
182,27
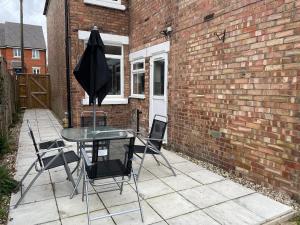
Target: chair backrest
158,130
118,163
34,143
86,119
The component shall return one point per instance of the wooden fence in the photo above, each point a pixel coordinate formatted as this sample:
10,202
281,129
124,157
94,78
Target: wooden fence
8,97
34,91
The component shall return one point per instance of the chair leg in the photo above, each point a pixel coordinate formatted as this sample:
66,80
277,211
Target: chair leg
69,174
158,163
138,196
122,184
20,184
77,183
27,189
87,199
169,165
83,187
141,165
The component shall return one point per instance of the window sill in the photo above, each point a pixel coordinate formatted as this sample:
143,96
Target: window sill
105,4
109,101
137,96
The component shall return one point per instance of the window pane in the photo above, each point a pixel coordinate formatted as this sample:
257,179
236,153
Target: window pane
139,83
138,66
159,77
115,68
113,50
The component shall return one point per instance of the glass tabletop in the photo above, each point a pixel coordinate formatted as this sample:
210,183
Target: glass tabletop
86,134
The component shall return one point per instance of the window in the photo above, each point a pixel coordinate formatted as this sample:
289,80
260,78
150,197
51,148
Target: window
36,70
114,57
17,52
138,79
159,78
115,4
35,54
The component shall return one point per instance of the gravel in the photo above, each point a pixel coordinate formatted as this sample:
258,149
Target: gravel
279,196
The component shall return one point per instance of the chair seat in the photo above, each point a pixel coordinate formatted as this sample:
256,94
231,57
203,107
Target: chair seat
70,157
141,149
103,169
51,144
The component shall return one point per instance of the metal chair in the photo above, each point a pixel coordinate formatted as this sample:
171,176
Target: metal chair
43,163
118,165
153,143
86,120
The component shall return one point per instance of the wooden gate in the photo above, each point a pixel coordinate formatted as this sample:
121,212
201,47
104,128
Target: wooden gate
34,91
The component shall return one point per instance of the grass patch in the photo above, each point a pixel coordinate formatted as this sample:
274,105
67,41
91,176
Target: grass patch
7,183
7,186
4,145
297,220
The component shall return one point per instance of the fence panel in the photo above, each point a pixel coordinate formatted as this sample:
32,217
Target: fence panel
8,97
34,91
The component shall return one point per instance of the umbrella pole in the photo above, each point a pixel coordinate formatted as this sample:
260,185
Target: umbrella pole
94,114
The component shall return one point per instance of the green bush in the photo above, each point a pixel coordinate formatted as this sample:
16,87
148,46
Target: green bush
7,183
4,146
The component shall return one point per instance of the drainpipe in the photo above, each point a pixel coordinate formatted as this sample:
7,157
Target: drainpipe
67,43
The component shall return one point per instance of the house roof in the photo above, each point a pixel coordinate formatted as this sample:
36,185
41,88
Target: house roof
10,36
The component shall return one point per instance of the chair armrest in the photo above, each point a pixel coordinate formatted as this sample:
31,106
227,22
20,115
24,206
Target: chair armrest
154,139
54,140
44,151
49,150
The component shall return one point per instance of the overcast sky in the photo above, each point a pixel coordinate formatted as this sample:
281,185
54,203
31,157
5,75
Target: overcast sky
32,10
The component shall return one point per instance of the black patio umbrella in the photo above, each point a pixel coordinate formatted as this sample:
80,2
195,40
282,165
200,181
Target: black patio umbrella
92,71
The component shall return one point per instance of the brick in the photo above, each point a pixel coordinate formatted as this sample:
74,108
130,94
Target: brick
273,67
295,38
275,42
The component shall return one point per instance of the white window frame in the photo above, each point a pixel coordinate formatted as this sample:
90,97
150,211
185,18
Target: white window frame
35,54
107,3
17,50
112,40
36,69
140,96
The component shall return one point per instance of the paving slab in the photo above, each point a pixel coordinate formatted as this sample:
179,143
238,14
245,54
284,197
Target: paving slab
152,188
187,167
35,194
171,205
230,189
34,213
205,176
82,219
113,198
70,207
194,218
267,208
180,182
203,196
134,218
231,213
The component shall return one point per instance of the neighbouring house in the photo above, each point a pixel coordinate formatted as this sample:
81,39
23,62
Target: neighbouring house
34,47
225,72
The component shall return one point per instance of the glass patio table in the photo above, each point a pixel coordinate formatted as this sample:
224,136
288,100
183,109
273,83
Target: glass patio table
81,135
88,134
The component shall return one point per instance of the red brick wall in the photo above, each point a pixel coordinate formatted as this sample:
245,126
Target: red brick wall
234,104
7,53
84,17
56,56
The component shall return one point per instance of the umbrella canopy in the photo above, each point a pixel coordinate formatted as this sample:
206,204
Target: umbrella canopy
92,71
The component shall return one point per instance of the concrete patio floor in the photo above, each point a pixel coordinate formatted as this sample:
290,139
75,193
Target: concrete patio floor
195,196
